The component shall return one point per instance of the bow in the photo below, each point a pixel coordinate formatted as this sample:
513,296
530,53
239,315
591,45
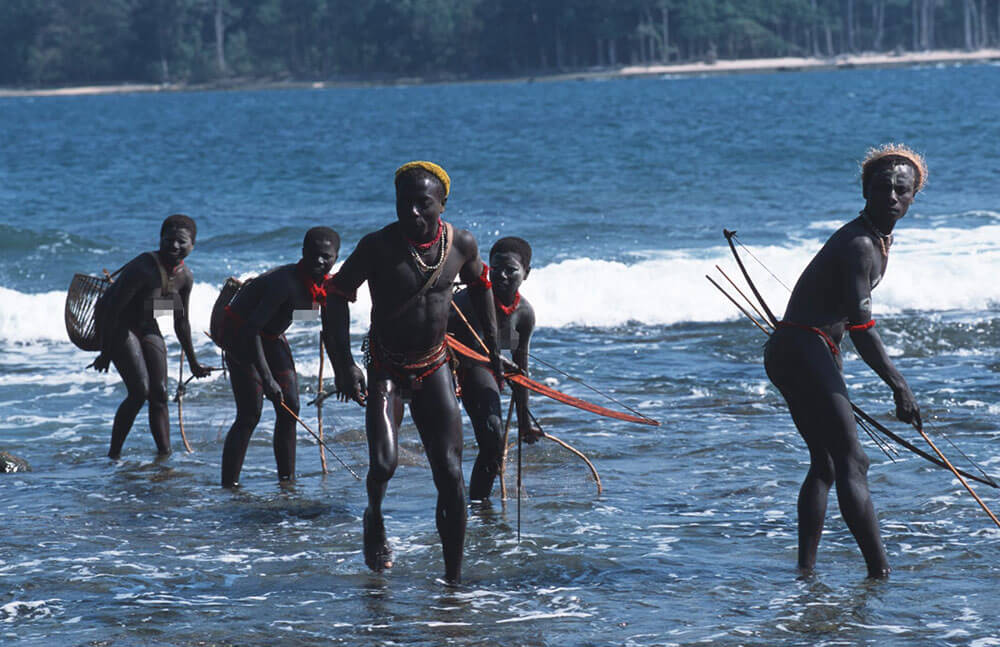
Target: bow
517,377
864,420
729,237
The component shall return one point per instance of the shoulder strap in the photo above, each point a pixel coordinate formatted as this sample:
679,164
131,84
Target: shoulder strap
432,279
165,283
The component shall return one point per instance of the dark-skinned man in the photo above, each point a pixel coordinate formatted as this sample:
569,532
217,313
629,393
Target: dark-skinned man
150,284
410,266
510,264
802,357
257,353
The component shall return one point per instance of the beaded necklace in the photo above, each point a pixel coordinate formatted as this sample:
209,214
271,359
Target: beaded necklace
884,240
421,265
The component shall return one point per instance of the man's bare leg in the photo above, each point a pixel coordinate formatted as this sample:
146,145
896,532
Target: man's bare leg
383,413
154,351
249,397
436,414
282,366
814,388
481,399
131,365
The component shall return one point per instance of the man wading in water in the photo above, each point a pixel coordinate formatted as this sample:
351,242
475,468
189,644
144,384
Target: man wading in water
803,359
150,284
510,264
257,353
410,266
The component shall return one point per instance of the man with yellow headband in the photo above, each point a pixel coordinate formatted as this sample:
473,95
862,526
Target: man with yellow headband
410,266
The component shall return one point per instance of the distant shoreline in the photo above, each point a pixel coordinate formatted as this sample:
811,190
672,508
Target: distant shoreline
720,67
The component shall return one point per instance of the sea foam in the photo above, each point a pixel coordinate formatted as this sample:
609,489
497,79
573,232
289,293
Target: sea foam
929,270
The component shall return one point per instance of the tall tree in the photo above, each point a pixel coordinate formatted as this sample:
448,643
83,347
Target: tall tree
878,23
849,23
21,21
220,36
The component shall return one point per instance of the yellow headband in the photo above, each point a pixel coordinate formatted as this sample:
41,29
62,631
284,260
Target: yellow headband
431,168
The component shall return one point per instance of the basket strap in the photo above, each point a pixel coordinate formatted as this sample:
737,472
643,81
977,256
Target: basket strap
166,284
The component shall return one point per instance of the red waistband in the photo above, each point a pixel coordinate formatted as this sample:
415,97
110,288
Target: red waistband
414,368
829,340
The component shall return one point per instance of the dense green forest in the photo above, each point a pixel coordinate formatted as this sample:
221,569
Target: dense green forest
53,42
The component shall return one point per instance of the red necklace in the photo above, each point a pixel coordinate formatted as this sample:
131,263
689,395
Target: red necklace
316,290
423,247
176,268
508,310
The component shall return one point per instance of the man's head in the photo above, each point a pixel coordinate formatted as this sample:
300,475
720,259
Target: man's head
421,192
891,176
320,248
177,235
891,155
510,264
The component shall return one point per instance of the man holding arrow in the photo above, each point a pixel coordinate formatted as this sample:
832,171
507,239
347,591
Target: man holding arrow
802,357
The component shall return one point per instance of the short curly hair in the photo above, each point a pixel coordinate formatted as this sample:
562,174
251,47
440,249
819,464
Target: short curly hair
179,221
880,156
322,234
515,245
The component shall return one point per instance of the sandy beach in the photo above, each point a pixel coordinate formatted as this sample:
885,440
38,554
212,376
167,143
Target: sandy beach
789,64
722,66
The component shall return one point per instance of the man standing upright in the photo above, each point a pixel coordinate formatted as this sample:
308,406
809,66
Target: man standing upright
410,266
150,284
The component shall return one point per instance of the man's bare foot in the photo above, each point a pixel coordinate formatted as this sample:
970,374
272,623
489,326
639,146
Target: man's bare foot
378,555
879,574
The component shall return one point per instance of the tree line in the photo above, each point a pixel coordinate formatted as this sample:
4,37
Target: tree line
52,42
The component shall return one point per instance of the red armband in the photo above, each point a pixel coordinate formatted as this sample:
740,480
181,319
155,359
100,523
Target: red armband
484,279
333,288
864,326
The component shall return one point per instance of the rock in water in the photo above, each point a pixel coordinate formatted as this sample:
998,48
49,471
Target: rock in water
11,463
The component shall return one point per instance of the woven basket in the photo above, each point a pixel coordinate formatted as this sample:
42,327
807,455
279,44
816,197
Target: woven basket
226,294
79,313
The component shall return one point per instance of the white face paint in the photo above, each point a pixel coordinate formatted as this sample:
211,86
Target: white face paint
866,304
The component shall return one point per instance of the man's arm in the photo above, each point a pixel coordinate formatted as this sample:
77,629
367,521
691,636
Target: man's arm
182,328
273,294
867,341
349,379
475,274
525,327
130,282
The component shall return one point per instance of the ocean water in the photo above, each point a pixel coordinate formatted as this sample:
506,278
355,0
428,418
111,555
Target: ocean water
623,189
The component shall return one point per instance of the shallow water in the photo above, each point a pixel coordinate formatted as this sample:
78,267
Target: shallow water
623,188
